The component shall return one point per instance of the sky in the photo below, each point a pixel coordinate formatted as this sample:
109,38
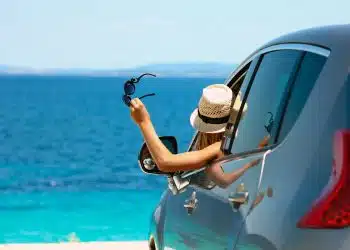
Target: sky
105,34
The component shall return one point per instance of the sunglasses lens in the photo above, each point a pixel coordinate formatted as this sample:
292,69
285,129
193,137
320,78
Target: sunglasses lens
126,100
129,88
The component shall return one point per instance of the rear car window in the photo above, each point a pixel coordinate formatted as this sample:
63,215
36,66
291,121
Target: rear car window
309,71
265,96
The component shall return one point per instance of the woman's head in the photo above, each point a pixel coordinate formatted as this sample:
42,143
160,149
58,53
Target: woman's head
214,109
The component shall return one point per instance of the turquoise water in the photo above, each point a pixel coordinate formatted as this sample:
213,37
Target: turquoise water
68,156
52,217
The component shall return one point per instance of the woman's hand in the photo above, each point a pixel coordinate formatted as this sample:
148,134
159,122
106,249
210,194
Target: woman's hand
253,163
264,142
139,112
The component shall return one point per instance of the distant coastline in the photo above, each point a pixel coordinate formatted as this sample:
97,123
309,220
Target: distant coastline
162,70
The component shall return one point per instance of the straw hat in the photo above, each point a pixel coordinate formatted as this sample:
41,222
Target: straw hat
214,107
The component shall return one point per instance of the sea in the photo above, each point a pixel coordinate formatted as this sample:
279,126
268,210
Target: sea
68,155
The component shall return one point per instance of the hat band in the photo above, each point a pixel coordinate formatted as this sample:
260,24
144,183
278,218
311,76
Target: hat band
211,120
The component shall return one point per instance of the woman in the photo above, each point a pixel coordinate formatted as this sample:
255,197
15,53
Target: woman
210,119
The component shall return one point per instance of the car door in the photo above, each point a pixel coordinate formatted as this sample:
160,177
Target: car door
273,219
212,221
264,97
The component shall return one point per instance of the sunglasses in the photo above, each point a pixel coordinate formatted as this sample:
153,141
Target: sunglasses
130,88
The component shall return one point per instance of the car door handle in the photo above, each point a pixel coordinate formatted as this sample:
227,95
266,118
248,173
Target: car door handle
191,204
240,197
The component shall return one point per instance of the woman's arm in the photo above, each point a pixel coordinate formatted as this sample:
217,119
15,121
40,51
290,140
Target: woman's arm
165,160
168,162
222,179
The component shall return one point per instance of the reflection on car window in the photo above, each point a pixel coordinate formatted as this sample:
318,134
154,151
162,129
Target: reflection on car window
264,98
305,81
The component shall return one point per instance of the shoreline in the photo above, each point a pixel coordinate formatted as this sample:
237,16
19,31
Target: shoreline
106,245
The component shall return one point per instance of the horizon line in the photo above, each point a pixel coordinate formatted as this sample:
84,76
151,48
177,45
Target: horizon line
116,68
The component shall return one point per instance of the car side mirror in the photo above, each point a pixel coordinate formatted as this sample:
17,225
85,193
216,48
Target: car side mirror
145,160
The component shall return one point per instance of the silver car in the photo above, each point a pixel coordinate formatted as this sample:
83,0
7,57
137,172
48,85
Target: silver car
297,89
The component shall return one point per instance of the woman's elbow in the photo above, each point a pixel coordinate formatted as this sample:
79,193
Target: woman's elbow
162,167
172,163
164,164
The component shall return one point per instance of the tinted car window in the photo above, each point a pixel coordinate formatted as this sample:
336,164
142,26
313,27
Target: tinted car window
305,81
276,71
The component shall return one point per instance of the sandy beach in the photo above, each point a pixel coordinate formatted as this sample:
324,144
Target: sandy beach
127,245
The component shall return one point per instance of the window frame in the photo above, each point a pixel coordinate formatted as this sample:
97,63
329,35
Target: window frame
290,97
234,78
282,105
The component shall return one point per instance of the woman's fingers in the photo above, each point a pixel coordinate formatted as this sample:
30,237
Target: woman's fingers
134,103
264,142
138,101
138,111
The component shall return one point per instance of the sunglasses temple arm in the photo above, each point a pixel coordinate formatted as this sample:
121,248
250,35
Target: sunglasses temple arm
152,94
145,74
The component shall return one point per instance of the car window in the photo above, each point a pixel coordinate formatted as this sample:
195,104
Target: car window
264,97
307,75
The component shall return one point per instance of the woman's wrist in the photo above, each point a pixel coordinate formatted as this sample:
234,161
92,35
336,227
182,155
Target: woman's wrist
247,166
144,124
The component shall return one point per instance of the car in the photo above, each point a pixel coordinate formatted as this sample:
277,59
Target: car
297,88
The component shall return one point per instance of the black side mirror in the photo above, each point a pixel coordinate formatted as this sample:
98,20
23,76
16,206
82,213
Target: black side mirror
145,160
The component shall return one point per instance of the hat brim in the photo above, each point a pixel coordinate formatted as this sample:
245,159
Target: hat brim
198,124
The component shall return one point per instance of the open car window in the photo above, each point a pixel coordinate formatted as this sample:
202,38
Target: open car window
198,177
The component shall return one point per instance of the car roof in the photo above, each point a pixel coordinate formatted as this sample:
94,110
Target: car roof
332,37
335,38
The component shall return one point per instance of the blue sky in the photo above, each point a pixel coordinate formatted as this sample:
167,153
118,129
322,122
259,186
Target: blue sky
117,34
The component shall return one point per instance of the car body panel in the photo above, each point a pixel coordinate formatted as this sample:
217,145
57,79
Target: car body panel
299,168
284,186
296,185
249,182
204,228
157,221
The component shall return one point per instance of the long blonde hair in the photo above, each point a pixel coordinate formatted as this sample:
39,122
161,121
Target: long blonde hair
206,139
